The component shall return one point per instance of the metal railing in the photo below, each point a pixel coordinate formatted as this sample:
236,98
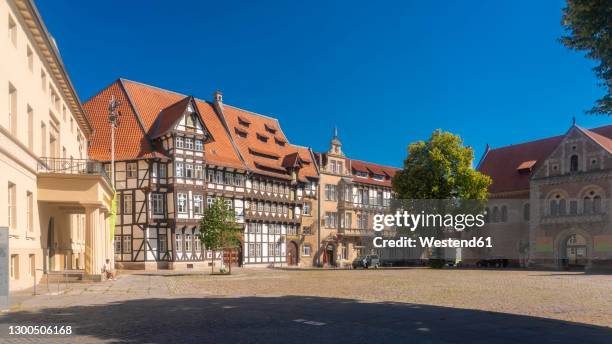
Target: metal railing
72,166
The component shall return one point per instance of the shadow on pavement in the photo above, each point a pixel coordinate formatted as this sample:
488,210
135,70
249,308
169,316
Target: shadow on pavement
299,319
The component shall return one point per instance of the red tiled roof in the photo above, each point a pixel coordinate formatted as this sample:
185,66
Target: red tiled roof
168,117
603,141
252,143
149,101
130,138
501,163
387,171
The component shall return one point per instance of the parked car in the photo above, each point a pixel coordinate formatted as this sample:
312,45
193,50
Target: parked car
365,262
493,262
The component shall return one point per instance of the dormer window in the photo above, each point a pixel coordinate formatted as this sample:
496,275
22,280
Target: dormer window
574,163
361,174
270,129
240,132
262,138
243,121
279,141
378,177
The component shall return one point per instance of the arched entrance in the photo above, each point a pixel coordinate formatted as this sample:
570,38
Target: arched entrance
576,251
329,254
292,253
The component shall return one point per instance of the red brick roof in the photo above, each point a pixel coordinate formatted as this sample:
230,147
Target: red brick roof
501,164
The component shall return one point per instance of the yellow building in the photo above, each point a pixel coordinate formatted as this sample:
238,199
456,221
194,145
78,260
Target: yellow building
55,202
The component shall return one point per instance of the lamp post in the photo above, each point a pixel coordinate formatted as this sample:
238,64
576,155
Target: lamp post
113,119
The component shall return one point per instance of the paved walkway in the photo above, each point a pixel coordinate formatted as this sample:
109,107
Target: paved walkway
270,306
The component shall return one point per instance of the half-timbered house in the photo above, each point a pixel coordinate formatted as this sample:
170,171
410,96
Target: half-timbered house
176,153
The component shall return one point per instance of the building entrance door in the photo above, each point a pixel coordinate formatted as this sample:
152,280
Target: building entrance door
576,251
292,256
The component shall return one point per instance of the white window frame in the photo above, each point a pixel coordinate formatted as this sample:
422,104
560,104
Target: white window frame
189,143
127,203
199,145
198,201
126,244
157,203
130,169
181,202
117,244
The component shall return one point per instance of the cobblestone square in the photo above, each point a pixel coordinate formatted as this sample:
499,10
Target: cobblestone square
266,305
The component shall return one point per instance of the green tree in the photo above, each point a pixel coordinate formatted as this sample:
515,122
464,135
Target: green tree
588,24
440,168
218,228
438,178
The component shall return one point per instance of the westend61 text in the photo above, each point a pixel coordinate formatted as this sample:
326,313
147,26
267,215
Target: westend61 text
475,242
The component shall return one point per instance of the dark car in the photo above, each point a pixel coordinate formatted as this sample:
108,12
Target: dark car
365,262
493,262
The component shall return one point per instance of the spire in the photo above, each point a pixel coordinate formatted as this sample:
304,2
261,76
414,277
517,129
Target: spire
573,120
335,143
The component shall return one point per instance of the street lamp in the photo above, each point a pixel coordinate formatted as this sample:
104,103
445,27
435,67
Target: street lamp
113,119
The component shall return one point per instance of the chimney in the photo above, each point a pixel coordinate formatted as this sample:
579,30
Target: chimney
218,97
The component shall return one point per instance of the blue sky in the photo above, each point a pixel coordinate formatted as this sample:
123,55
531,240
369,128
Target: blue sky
386,73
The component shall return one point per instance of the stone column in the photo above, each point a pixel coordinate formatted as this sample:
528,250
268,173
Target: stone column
93,264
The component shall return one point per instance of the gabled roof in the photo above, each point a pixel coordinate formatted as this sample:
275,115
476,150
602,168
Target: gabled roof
131,141
140,107
260,148
168,117
501,163
601,140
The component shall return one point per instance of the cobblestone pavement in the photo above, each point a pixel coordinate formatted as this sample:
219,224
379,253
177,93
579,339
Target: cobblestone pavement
264,305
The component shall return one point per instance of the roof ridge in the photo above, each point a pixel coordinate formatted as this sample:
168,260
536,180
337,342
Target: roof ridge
137,115
551,137
152,86
373,163
254,113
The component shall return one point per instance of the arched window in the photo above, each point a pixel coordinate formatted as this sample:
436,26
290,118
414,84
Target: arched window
504,213
596,204
587,206
495,217
526,212
574,163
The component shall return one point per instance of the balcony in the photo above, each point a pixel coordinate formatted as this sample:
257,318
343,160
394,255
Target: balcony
74,181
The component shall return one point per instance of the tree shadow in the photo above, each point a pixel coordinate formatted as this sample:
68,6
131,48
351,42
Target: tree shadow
298,319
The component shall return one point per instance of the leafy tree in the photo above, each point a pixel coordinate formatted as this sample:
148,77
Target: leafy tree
440,168
588,24
218,228
438,177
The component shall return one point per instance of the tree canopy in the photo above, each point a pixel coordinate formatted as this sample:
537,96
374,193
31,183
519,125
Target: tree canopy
218,228
588,24
440,168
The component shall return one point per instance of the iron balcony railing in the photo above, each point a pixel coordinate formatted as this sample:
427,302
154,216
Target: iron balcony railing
72,166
